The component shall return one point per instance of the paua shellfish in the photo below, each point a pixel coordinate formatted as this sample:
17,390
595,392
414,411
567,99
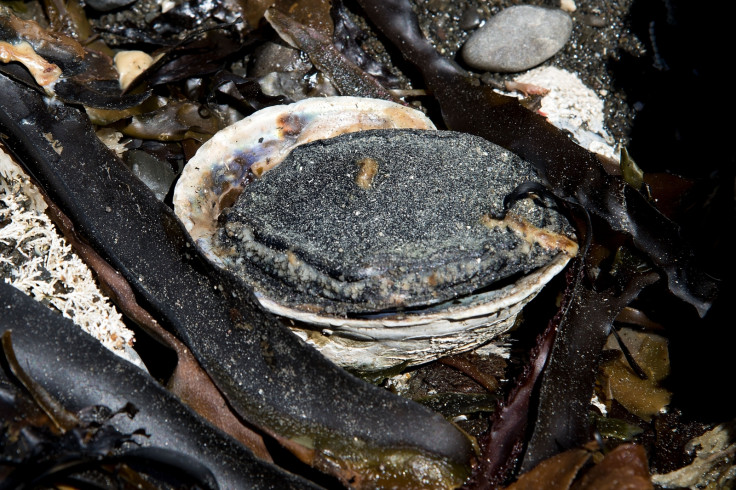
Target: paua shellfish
223,166
384,246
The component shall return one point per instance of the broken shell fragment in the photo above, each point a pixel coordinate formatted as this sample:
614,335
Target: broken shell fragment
388,247
130,64
214,178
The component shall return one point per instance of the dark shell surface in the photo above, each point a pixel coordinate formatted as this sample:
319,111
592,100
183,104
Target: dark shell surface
385,220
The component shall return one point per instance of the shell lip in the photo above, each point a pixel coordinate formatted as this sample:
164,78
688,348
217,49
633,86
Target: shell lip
400,324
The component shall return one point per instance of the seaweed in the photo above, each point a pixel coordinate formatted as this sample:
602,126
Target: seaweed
71,71
576,176
79,374
168,27
329,418
200,53
347,38
347,77
633,213
188,381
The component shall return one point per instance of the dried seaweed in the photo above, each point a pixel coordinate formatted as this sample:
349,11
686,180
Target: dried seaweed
168,28
555,473
624,467
641,393
202,52
348,37
61,49
79,75
314,14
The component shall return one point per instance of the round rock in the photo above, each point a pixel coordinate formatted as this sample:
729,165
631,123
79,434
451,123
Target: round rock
383,220
518,38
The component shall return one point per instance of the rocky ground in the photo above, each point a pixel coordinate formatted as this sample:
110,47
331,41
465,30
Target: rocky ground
633,74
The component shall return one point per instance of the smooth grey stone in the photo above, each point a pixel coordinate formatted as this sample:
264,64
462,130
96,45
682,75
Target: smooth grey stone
272,57
518,38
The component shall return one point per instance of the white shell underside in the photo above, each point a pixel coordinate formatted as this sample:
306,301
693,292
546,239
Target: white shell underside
382,341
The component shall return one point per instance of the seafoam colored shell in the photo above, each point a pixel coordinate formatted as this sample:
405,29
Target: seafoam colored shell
214,178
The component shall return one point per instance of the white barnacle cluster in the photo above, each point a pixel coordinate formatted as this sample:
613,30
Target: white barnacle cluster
36,259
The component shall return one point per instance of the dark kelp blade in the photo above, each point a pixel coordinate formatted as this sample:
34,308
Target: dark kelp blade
562,420
201,53
100,94
333,420
189,382
75,368
571,171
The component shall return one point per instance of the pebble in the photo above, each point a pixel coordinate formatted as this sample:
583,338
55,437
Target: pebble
157,175
130,64
568,5
518,38
470,19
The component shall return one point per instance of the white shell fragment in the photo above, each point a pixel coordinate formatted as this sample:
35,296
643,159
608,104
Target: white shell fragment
436,266
214,178
573,107
130,64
